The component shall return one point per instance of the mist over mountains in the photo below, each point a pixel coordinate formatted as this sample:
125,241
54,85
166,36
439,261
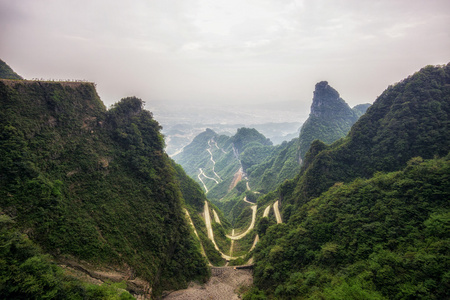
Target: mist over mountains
182,123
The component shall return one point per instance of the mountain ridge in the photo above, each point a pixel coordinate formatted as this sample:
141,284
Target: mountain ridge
366,216
93,184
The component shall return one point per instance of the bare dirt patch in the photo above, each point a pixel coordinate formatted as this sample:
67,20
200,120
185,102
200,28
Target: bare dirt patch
224,286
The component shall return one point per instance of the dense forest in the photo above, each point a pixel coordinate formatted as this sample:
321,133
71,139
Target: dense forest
368,216
94,185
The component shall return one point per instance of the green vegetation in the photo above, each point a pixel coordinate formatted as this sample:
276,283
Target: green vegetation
361,109
242,246
409,119
368,216
26,273
248,137
95,184
385,237
195,157
7,73
330,118
281,165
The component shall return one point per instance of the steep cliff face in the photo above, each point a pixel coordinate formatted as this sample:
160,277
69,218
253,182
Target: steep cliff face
94,185
330,118
328,104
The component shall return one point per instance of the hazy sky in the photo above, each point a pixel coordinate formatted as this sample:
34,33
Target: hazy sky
231,51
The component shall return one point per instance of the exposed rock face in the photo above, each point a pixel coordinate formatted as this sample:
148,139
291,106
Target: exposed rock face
328,104
330,118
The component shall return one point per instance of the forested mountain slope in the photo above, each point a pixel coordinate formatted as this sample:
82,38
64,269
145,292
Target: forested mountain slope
271,170
6,72
384,237
219,162
94,185
361,109
410,118
330,118
380,238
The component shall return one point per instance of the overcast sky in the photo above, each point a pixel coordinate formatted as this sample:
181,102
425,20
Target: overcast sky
230,51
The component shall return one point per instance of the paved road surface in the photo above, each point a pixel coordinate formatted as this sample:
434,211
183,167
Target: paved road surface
277,213
266,211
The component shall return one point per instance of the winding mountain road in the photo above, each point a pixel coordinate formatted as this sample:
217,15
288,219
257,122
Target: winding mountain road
199,178
266,211
206,176
277,212
211,233
252,225
212,159
253,207
216,217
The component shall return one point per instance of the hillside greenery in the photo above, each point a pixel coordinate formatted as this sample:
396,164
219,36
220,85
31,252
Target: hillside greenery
380,238
281,165
195,156
361,109
7,73
368,216
409,119
27,273
329,120
95,184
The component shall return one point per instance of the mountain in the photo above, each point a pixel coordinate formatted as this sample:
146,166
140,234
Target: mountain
219,162
6,72
210,160
368,215
361,109
329,120
407,120
93,188
281,164
380,238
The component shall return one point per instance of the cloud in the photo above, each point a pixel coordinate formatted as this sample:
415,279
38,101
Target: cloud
234,51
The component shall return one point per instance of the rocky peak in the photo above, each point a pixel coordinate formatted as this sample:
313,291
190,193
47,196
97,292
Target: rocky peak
327,102
330,118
